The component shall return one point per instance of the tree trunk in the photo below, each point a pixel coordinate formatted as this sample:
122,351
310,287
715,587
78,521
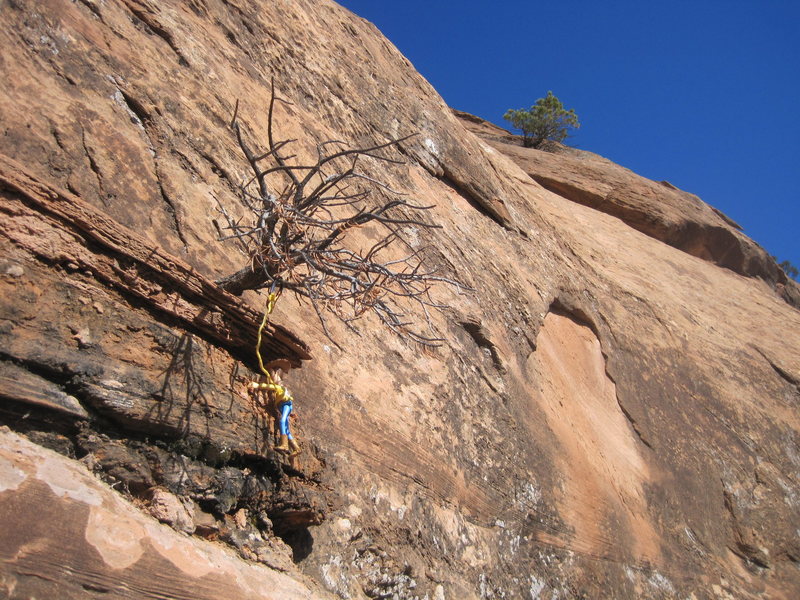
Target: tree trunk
245,278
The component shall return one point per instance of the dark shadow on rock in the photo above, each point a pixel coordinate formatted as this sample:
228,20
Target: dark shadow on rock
183,387
300,541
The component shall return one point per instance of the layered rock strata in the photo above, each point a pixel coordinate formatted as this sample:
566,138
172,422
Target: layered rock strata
599,422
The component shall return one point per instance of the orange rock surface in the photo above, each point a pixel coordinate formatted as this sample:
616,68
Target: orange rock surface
614,412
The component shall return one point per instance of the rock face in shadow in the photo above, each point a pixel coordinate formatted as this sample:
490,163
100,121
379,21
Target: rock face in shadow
610,416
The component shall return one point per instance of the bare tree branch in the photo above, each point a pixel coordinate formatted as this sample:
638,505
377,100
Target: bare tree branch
299,218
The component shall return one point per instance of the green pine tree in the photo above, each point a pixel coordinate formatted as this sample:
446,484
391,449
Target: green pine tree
545,120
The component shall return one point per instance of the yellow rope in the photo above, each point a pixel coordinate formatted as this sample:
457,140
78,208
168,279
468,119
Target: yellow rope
273,297
281,394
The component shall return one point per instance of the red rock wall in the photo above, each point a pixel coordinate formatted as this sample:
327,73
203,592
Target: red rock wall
646,445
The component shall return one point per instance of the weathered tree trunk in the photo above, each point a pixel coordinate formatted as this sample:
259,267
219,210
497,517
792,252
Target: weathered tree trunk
245,278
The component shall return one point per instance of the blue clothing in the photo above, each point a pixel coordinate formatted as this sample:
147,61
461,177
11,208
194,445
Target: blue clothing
285,409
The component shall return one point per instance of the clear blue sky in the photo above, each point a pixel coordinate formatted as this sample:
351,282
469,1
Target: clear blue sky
704,94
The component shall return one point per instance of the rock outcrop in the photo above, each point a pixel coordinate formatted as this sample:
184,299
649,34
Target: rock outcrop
82,540
657,209
613,414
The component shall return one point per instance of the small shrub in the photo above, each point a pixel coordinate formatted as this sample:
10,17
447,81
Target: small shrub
545,120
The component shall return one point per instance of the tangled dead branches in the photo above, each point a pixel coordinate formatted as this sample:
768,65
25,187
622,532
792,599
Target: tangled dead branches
299,218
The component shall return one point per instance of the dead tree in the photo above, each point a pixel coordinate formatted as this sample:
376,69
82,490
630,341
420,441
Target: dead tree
299,218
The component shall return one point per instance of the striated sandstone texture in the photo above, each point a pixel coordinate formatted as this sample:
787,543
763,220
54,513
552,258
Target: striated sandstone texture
614,412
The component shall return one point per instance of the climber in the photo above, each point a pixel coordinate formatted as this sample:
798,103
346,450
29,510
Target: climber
281,407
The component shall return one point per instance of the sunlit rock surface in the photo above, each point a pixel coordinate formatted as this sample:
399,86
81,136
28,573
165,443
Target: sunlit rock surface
611,415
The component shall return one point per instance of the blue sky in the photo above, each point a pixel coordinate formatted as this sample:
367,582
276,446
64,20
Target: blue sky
704,94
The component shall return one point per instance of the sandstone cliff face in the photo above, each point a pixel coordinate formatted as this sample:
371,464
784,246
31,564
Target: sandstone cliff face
657,209
611,416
